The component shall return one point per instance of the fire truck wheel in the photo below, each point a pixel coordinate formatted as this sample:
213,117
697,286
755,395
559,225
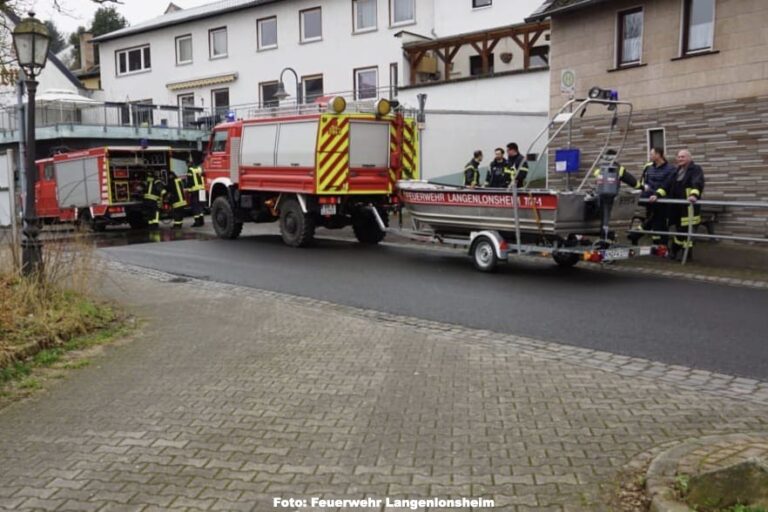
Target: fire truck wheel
565,260
296,228
484,254
366,228
95,225
223,217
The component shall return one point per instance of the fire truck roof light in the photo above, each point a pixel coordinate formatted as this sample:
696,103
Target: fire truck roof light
383,107
338,104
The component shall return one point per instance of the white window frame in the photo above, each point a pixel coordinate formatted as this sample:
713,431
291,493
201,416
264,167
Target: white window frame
619,45
179,39
685,32
304,84
262,99
392,22
304,39
490,4
260,47
362,70
211,32
126,51
363,30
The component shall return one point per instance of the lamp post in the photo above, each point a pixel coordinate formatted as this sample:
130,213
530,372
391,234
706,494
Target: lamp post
30,41
281,94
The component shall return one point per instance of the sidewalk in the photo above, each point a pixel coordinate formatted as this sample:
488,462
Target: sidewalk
230,397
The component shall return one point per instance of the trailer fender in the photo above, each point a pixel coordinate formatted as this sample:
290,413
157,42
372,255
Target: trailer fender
301,198
302,203
500,245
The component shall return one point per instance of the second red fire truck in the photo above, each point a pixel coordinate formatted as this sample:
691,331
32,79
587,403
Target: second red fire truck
307,170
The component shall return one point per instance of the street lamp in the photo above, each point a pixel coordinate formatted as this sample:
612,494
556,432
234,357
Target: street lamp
30,41
281,94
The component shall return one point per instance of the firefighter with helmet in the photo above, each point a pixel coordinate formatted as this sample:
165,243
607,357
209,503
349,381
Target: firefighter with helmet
195,183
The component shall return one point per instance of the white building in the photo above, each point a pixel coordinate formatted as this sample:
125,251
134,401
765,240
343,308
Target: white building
230,54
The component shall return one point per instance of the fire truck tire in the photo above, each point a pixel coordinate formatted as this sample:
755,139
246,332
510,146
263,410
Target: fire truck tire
223,218
483,254
296,227
95,225
565,260
366,229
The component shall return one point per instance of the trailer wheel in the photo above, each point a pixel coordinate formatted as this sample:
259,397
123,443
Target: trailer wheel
223,218
296,227
565,259
484,254
365,227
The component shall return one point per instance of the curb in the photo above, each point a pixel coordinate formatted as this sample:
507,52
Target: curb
718,384
663,469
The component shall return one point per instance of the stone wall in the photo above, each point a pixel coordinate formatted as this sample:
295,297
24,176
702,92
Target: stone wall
729,139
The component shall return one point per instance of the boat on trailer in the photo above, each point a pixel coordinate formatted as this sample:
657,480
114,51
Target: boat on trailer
568,225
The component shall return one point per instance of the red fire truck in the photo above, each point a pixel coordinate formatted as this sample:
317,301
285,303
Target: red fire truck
306,170
102,186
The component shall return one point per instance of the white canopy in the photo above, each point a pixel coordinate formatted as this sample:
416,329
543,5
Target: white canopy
63,96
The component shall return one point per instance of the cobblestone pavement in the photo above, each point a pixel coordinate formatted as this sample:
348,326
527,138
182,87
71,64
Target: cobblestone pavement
230,397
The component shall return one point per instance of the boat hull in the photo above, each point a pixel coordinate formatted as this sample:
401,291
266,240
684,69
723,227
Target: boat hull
449,209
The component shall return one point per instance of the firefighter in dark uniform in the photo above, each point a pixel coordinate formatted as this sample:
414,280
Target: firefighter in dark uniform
655,174
496,177
471,171
517,167
687,182
154,194
176,199
196,183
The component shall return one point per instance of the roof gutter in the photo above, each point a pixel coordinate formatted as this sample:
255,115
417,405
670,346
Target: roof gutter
561,10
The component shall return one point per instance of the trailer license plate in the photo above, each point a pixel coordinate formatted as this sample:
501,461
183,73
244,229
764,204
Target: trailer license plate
327,209
616,254
645,251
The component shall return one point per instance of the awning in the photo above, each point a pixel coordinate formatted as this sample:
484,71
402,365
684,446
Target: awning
202,82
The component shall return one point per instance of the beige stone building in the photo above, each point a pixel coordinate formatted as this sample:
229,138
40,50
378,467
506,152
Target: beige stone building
696,72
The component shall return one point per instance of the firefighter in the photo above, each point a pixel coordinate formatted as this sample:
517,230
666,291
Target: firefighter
153,197
471,172
195,183
496,177
176,198
655,174
517,167
687,182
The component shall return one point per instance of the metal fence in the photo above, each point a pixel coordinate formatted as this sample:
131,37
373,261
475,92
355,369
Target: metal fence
690,234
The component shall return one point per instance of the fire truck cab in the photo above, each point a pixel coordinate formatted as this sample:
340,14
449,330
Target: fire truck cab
325,168
102,186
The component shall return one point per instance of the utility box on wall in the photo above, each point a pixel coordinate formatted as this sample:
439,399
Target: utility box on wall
567,160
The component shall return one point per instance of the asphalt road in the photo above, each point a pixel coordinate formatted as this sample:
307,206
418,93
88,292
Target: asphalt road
707,326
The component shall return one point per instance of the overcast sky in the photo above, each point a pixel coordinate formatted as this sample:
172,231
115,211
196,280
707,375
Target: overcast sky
80,12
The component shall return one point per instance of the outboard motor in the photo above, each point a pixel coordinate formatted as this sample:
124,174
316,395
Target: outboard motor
608,183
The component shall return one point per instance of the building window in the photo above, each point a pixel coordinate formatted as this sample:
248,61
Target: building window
142,113
133,60
184,49
186,105
539,57
698,25
476,65
364,15
630,40
267,91
481,3
402,12
220,102
657,139
217,42
311,21
313,87
366,83
267,33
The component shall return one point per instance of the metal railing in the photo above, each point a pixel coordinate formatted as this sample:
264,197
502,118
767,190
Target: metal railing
690,234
